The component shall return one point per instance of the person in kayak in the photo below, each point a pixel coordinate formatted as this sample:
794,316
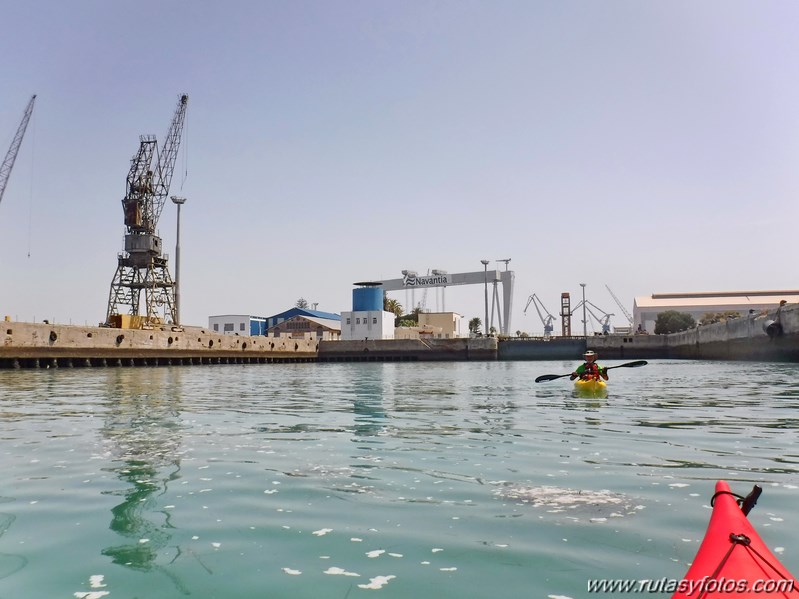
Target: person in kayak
590,370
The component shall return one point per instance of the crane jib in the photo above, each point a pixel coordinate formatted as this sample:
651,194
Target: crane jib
11,155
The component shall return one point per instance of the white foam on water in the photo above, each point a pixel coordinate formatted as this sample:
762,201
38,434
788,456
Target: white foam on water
378,582
448,569
335,571
322,532
96,581
375,553
292,572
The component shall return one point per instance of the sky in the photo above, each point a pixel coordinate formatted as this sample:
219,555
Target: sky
646,147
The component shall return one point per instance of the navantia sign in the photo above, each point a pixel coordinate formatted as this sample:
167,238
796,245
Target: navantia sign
410,280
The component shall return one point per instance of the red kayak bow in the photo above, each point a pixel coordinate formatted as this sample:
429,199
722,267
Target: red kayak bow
733,562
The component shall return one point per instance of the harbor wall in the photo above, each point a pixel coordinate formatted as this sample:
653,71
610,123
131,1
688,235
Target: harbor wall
773,336
416,350
763,337
554,348
50,345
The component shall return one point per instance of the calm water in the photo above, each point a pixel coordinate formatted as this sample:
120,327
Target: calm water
397,480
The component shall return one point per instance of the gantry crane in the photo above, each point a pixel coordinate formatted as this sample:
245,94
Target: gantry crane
142,267
546,321
11,156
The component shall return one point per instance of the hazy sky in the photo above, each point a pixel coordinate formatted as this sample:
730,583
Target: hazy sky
648,146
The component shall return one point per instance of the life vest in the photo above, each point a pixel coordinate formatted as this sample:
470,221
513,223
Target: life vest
590,371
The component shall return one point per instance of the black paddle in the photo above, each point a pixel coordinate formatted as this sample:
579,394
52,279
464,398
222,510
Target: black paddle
552,377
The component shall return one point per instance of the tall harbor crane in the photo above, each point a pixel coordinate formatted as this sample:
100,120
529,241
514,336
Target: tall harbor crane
546,321
142,267
11,155
620,305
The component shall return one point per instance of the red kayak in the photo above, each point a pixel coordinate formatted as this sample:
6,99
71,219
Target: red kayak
732,561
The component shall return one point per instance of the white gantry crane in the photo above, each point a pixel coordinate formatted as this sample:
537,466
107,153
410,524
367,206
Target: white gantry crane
11,155
545,320
621,307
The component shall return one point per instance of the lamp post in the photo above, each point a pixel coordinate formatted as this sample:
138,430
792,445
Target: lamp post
585,329
485,268
178,202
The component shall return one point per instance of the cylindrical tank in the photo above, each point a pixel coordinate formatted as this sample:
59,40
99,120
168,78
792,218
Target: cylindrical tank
367,299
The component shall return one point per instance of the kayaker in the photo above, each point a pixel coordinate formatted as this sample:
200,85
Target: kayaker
590,370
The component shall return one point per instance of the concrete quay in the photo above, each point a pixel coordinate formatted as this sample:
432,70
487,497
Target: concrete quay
409,350
43,345
772,337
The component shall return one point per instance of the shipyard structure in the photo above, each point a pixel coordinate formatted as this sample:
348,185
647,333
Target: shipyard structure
769,336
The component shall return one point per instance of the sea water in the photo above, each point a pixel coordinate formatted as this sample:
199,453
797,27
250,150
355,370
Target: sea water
407,480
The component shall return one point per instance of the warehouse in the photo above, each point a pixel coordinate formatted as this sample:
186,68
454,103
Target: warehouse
647,308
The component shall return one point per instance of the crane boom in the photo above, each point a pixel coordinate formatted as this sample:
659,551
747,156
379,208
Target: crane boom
619,304
168,156
11,156
546,321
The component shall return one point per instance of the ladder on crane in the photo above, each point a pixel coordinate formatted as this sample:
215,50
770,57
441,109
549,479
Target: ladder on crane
11,155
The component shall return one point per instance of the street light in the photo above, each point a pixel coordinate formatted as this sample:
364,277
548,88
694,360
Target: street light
178,202
485,267
585,330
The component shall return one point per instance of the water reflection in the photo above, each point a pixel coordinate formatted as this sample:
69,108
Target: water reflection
142,424
367,403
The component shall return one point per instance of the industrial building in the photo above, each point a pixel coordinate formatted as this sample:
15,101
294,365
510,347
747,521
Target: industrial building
306,327
237,324
367,320
433,325
246,324
647,308
275,320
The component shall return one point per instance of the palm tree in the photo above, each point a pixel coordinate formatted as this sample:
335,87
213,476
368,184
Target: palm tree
393,306
474,326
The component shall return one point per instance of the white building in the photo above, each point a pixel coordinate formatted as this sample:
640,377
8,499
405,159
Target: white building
237,324
367,324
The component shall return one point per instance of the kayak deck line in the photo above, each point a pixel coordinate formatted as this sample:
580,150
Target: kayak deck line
732,559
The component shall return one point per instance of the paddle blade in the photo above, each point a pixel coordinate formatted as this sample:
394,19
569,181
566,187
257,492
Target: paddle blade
635,364
549,377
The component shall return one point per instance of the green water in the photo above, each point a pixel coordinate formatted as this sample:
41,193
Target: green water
413,480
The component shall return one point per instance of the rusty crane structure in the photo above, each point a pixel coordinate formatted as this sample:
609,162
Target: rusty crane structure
142,267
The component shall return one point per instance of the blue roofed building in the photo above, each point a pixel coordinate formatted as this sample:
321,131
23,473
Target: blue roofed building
275,320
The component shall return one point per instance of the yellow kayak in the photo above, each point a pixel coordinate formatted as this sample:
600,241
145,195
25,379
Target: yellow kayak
591,387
